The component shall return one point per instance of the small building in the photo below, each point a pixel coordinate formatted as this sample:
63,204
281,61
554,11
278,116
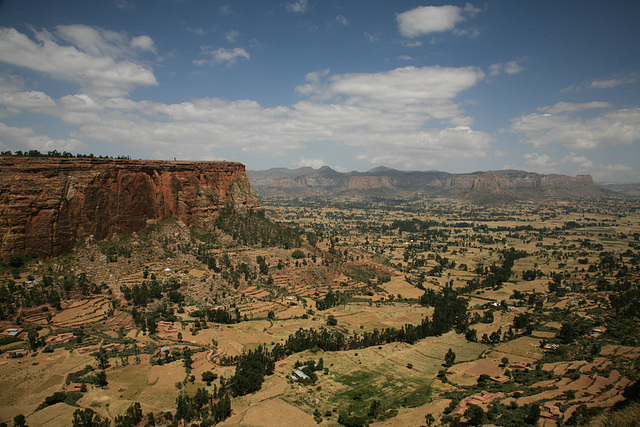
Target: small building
13,332
59,339
162,351
90,349
15,354
141,345
74,388
484,397
550,411
167,327
500,379
113,347
301,375
550,347
519,365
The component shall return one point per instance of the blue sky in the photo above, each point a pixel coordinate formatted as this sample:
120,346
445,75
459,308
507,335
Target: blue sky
544,86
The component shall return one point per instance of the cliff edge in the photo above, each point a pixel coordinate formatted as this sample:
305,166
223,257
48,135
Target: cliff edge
49,204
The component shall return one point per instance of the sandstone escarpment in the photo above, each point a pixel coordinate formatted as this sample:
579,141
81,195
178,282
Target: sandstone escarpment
49,204
490,186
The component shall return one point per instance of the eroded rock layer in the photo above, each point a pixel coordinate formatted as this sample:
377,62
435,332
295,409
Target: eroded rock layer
47,205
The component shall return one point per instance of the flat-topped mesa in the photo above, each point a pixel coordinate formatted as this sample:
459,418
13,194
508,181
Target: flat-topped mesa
49,204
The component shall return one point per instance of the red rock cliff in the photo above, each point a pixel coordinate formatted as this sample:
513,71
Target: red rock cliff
49,204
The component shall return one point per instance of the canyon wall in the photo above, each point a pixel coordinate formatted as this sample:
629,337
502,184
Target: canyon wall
47,205
491,185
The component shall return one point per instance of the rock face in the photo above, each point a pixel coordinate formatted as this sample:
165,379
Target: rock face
481,186
47,205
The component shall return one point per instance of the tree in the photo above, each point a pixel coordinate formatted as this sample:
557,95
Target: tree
101,379
32,336
88,418
331,320
533,414
429,419
475,415
374,409
449,358
20,421
208,377
103,359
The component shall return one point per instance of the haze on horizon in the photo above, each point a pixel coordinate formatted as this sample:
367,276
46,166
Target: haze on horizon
548,87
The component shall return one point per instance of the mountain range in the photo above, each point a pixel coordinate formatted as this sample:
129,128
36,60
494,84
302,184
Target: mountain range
503,185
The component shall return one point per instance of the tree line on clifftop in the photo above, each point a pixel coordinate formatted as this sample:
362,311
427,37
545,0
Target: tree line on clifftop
57,154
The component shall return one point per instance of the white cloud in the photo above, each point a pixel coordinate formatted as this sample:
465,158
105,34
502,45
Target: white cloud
300,6
221,55
564,107
94,63
370,37
387,117
144,43
432,19
340,19
15,99
600,172
34,101
27,139
373,113
582,161
405,57
511,67
614,81
232,36
541,163
558,126
313,163
429,88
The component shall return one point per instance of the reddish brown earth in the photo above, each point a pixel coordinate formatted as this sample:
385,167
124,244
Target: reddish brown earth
47,205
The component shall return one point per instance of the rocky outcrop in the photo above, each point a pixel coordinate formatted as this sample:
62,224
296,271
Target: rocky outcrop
47,205
368,182
480,186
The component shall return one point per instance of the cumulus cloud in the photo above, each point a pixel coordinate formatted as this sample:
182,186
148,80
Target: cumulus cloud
583,165
313,163
406,117
14,99
433,19
27,139
384,116
535,162
511,67
213,56
429,88
94,59
557,125
143,43
300,6
232,36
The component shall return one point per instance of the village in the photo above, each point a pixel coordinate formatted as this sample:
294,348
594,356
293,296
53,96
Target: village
538,344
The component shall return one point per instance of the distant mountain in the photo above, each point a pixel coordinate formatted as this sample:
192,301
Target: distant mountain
381,181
